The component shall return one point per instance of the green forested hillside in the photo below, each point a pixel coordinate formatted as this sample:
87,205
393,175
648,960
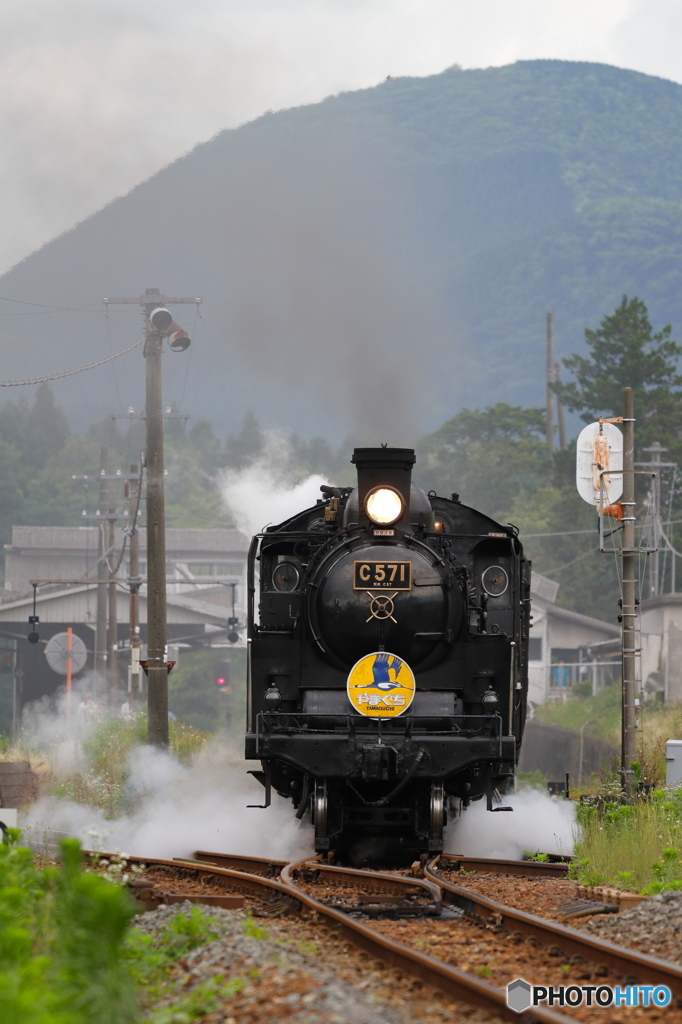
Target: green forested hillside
371,263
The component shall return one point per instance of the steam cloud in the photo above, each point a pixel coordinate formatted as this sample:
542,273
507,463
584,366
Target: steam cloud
258,495
181,809
178,809
537,823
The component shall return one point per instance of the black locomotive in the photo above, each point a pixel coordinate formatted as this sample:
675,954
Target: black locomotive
389,586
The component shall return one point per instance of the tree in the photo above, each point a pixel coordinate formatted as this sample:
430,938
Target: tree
246,446
488,456
625,353
38,432
47,428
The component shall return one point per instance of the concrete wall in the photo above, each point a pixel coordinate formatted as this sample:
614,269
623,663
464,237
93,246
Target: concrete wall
555,750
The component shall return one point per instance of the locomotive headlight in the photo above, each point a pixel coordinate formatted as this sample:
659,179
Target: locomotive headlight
384,506
273,698
490,702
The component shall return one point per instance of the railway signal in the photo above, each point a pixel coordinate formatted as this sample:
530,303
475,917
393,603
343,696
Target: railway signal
605,473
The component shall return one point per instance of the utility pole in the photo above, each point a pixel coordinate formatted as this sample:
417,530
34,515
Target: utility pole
107,561
561,413
134,489
157,671
654,574
112,638
102,570
629,609
158,324
549,425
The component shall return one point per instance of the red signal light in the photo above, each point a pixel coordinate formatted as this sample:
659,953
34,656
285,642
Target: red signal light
220,681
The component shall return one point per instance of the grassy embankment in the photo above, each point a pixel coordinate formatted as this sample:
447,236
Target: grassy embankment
637,846
98,766
70,955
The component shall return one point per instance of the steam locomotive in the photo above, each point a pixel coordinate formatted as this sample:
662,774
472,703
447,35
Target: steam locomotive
387,660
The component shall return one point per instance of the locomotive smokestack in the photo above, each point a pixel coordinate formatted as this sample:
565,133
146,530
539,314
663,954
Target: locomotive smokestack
384,483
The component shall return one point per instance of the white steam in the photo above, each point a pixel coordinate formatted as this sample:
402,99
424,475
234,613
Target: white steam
184,809
537,823
175,809
260,494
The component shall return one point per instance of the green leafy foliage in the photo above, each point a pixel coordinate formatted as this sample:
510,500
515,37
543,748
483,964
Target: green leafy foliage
624,352
488,456
61,942
150,960
196,699
254,930
632,846
103,783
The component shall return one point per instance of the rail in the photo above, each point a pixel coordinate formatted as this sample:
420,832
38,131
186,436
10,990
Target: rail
451,981
648,969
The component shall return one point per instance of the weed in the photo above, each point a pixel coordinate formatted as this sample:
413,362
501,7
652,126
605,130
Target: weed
539,858
253,930
632,846
202,1000
61,942
484,971
307,946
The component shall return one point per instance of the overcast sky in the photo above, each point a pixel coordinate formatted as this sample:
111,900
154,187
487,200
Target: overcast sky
96,95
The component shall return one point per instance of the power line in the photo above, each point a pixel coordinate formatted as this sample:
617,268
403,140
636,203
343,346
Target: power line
44,305
69,373
564,533
558,568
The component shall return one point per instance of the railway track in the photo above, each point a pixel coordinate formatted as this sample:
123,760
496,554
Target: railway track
381,912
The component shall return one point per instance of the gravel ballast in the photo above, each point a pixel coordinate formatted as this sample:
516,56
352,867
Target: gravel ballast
654,927
286,978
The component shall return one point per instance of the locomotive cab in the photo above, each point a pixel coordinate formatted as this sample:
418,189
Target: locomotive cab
387,660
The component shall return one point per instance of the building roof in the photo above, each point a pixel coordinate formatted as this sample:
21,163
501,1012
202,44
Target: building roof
191,542
543,587
608,628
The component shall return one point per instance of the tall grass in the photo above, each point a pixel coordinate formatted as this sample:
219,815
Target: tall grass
99,763
634,846
62,935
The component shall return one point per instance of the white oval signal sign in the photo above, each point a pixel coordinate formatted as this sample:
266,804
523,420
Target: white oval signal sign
599,449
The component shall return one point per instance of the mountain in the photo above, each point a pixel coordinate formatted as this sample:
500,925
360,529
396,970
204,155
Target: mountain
371,263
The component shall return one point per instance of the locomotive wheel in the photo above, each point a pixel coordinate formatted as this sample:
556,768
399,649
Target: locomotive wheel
320,809
437,823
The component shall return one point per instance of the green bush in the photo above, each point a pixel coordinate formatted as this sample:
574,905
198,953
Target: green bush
62,942
631,846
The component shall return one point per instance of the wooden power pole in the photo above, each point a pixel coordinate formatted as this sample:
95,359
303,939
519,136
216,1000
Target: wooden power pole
135,485
630,581
112,633
549,418
159,324
102,569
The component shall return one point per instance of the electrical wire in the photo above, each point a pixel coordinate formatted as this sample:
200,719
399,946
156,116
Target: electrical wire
566,564
113,369
69,373
46,306
133,526
564,533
